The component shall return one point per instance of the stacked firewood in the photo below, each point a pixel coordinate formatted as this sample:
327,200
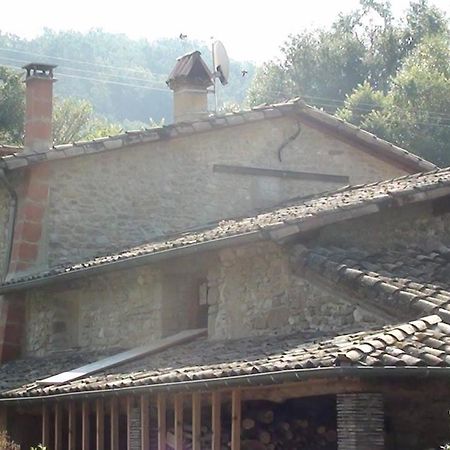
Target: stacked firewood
205,438
267,426
275,429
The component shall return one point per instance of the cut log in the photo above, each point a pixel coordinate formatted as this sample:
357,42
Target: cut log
248,424
265,416
264,437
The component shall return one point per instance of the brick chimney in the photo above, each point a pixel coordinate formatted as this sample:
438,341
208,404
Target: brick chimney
189,81
39,106
32,195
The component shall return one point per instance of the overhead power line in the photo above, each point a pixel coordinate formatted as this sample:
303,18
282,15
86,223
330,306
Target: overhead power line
99,80
59,58
21,62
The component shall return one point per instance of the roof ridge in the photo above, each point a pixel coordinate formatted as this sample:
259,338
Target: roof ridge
375,144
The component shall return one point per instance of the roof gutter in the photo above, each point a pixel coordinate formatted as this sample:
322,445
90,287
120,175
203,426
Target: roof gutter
11,220
136,261
242,381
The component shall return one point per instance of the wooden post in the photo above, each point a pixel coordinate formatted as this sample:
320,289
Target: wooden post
162,407
72,444
145,423
216,420
196,420
85,431
236,420
130,405
100,424
45,425
114,414
178,410
3,418
58,425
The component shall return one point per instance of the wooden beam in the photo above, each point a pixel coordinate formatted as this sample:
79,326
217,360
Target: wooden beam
45,425
308,388
258,171
196,420
114,415
100,424
178,418
162,429
120,358
58,427
145,422
72,429
85,429
216,420
236,419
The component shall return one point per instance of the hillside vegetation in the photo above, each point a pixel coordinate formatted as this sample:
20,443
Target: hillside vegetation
123,79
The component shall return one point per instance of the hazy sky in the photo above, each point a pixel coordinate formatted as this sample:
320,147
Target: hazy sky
249,29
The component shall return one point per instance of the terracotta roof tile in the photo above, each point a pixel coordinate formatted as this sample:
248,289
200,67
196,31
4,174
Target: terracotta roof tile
396,345
404,281
305,215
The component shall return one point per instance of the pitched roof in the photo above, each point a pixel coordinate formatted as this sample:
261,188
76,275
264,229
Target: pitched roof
192,68
406,281
27,370
293,217
423,343
364,140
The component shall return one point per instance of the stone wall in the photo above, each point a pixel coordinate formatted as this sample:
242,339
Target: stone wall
121,309
254,290
249,290
120,198
419,225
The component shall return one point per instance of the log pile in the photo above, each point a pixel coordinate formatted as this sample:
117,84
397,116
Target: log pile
292,425
205,438
278,428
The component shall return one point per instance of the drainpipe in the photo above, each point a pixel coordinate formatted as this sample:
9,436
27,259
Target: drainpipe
11,220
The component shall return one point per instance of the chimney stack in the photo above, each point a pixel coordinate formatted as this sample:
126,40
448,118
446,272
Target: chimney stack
39,106
189,81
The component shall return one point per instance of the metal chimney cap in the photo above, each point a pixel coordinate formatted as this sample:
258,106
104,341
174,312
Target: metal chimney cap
39,69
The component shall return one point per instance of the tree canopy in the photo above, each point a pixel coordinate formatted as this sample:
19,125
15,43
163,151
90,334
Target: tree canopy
388,76
11,106
123,78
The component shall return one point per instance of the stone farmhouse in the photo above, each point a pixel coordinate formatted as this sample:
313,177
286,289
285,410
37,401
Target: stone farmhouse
216,283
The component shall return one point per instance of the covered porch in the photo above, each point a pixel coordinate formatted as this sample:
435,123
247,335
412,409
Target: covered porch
351,413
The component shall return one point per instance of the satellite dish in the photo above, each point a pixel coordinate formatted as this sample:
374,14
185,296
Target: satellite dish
221,62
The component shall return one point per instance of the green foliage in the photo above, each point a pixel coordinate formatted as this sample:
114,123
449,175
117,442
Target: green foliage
392,77
361,104
366,45
415,112
11,106
74,120
39,447
127,78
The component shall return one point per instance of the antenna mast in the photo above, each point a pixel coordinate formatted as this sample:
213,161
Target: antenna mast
214,75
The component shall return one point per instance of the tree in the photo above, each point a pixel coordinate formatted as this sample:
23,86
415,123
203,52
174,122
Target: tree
11,106
390,77
74,120
367,45
415,112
